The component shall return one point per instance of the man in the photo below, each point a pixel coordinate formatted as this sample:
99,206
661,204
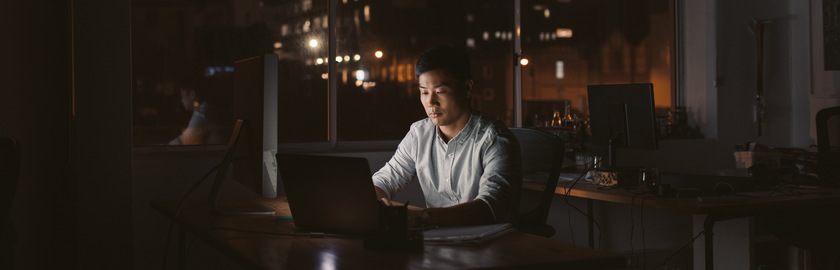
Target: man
206,123
467,163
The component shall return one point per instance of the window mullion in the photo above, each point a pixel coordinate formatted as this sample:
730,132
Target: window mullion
517,68
332,76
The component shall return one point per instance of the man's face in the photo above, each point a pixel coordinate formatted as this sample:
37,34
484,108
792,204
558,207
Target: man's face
187,99
443,97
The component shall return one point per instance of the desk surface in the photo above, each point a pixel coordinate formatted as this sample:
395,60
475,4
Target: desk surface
263,242
787,198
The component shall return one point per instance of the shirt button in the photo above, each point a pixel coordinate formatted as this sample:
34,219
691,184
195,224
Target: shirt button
447,180
450,155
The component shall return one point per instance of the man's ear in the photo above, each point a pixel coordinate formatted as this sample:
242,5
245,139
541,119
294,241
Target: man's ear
468,87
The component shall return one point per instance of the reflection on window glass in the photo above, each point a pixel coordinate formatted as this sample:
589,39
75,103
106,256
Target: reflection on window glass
383,40
303,87
572,44
183,54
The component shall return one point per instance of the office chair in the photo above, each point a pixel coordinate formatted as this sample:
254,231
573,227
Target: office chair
10,159
829,160
814,229
542,159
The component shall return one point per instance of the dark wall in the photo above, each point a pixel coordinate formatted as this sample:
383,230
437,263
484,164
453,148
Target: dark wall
35,109
738,76
65,95
102,133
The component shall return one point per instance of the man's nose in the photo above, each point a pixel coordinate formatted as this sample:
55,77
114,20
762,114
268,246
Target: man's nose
433,100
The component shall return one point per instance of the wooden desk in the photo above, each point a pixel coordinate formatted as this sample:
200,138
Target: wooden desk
274,250
710,212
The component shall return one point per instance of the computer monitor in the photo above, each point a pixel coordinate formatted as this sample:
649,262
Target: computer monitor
622,116
253,145
255,101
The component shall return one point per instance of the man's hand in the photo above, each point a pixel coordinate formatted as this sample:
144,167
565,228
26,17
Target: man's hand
417,217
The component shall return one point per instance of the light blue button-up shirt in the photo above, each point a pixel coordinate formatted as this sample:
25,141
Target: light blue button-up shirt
481,162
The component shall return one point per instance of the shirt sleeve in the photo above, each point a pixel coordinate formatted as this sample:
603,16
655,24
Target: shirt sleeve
501,182
400,169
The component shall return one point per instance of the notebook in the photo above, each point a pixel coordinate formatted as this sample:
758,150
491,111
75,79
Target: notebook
467,235
332,194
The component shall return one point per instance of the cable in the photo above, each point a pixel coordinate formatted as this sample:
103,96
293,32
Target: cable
642,222
632,229
568,190
181,204
667,259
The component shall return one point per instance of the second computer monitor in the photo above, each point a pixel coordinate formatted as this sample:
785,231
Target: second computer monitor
622,114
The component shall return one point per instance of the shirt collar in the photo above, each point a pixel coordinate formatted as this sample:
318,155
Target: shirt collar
462,135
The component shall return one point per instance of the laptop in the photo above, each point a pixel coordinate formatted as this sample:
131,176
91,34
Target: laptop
332,194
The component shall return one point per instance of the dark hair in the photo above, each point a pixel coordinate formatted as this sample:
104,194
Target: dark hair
454,60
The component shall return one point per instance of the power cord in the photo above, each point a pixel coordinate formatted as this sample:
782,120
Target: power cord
642,222
668,259
181,204
567,193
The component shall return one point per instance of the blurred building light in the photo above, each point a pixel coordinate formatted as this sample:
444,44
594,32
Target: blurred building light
498,34
486,36
306,26
509,35
368,85
325,76
378,54
367,13
546,13
346,58
564,32
470,43
539,7
559,70
359,83
360,75
319,61
523,61
313,43
470,18
278,45
284,30
357,57
338,59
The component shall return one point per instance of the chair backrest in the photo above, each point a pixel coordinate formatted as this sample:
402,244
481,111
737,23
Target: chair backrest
542,160
829,160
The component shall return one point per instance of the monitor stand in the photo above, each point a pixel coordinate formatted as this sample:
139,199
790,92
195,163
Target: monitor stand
612,175
233,209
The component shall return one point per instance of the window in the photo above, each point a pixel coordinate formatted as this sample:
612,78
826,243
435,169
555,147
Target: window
572,44
389,36
183,45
